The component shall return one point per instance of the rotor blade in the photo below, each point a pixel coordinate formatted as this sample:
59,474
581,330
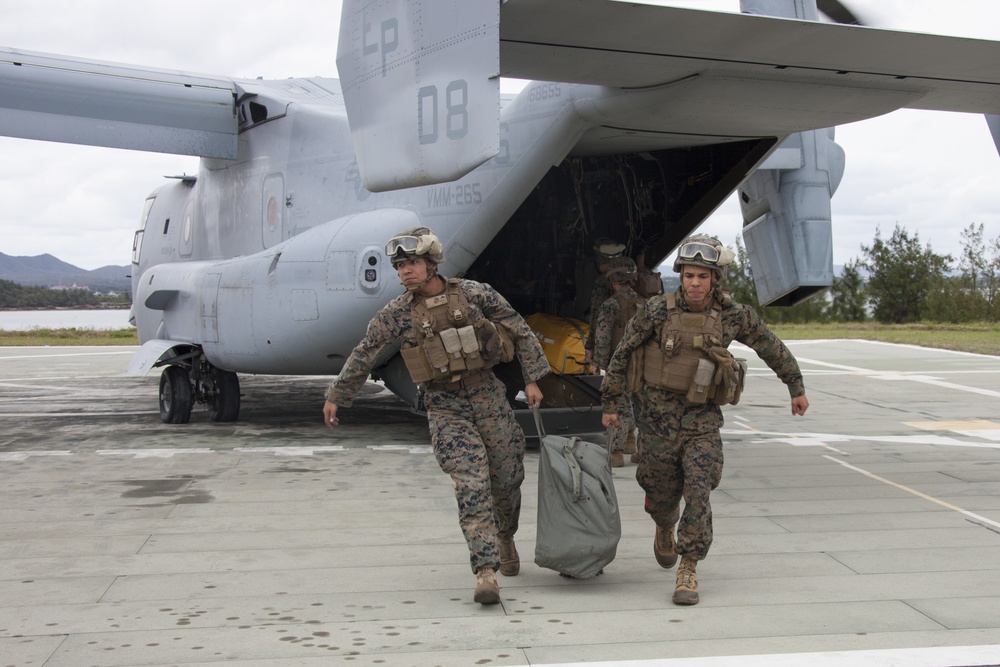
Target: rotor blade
838,12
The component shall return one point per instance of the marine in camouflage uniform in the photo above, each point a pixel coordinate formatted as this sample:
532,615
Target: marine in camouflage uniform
682,447
476,439
605,250
612,317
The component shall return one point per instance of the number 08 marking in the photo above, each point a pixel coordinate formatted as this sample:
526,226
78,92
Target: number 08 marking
457,112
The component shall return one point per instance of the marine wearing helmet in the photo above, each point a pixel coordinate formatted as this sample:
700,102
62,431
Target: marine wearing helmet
622,270
705,251
606,249
412,243
415,242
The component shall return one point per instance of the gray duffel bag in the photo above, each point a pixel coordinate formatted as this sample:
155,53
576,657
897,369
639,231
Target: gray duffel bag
578,521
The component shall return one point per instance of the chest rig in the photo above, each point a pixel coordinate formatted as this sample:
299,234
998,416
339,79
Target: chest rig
451,341
688,357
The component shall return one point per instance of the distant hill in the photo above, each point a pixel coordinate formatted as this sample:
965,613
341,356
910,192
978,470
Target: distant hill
47,271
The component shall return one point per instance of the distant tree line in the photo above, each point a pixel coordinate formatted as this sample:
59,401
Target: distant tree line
906,282
14,296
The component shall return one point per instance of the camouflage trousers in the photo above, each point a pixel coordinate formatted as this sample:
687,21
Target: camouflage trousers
626,424
478,442
681,459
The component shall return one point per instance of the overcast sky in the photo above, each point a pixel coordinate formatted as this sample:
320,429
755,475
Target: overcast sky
932,172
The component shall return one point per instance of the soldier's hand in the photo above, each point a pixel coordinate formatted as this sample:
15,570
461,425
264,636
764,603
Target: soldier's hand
609,420
799,405
534,395
330,414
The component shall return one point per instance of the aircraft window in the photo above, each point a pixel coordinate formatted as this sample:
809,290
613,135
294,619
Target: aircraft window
272,213
137,239
187,229
136,246
145,212
258,112
166,226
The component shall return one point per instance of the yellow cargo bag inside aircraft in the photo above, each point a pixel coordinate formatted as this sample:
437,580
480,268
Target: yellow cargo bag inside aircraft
562,340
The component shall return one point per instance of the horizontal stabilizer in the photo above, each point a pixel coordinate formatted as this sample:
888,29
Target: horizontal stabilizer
89,102
622,44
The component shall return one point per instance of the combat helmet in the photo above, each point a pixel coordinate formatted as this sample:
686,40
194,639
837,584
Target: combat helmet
622,270
414,242
704,250
606,249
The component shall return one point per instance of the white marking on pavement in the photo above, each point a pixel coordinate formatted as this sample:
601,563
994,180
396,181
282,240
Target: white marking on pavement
933,656
291,451
928,379
152,453
74,354
988,434
818,439
919,494
840,367
413,449
20,415
21,456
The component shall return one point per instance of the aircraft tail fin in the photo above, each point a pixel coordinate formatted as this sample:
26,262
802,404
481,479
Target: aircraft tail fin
421,84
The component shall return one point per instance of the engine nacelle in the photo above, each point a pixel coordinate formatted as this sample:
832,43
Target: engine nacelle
787,223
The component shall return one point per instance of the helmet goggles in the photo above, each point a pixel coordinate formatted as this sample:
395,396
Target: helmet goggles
402,244
690,251
609,250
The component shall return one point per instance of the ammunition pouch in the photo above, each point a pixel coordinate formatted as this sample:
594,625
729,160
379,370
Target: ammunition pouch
495,342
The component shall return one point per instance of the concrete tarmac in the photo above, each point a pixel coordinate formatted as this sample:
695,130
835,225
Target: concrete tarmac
866,532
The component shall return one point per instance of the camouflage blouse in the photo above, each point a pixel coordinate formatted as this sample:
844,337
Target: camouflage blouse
739,322
609,315
601,293
394,323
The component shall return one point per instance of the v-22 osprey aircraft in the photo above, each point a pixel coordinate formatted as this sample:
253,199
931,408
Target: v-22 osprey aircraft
639,121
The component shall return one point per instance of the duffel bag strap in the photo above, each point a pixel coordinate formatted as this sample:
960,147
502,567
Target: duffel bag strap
575,470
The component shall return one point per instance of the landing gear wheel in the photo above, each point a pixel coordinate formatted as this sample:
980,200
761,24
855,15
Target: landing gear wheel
175,395
224,402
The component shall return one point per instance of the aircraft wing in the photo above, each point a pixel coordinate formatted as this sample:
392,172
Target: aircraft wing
56,98
743,74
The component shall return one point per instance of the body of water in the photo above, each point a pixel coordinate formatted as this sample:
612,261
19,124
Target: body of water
26,320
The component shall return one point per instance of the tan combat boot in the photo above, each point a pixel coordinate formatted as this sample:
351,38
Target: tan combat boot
510,562
487,589
664,547
630,447
617,460
687,582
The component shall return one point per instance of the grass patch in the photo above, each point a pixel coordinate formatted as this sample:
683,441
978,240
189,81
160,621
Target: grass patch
978,337
71,336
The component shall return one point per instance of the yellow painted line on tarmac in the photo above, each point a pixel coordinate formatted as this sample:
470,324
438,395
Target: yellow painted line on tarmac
901,487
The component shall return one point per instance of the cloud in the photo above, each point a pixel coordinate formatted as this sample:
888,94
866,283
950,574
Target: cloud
933,173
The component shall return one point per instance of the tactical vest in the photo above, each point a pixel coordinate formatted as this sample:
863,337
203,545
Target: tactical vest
451,344
688,357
